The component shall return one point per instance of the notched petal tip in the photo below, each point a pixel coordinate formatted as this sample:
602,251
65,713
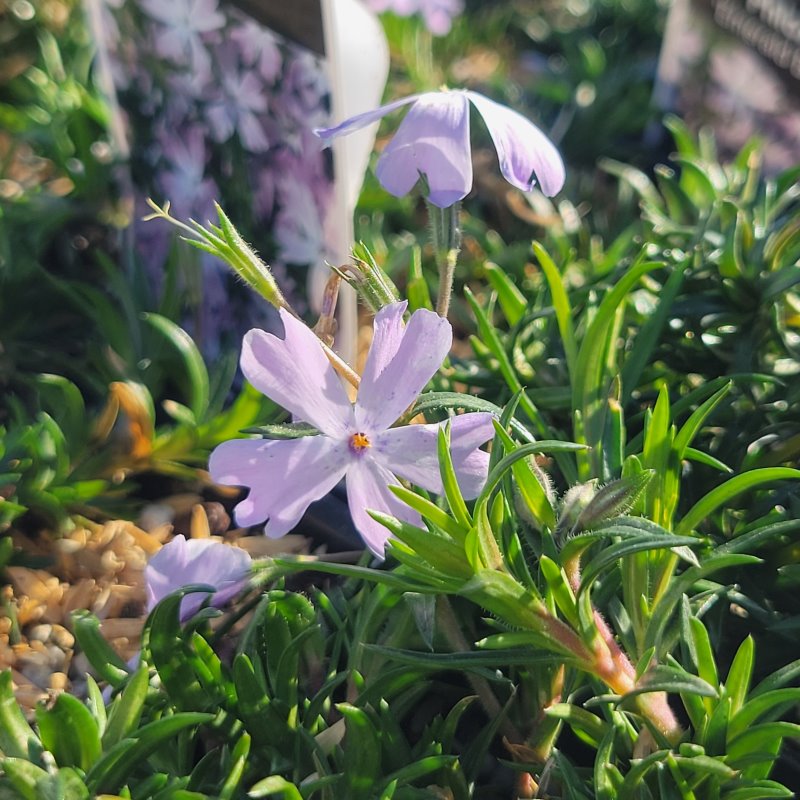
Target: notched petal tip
525,154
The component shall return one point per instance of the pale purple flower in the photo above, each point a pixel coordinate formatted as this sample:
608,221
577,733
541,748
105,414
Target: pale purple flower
298,227
304,91
185,561
258,47
433,140
184,182
438,14
238,106
178,36
286,476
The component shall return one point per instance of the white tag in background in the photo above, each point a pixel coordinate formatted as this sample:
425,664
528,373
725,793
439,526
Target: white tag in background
358,64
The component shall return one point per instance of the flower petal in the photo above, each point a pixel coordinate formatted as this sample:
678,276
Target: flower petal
183,561
284,477
526,154
367,488
433,140
411,452
401,361
296,374
360,121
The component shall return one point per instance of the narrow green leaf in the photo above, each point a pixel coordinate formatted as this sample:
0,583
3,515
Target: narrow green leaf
523,451
706,663
275,785
603,784
24,777
737,684
699,457
437,550
16,735
69,731
194,366
430,511
96,704
770,704
511,299
761,739
492,341
664,678
561,305
126,710
649,334
533,492
284,430
114,768
588,726
562,593
691,427
452,491
730,489
362,751
759,790
239,761
613,553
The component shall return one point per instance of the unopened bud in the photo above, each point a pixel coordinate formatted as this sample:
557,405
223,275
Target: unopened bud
369,280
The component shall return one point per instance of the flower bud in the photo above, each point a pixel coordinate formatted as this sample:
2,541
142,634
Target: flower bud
369,280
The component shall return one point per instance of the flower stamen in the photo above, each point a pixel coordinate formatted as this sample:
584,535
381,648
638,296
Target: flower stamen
359,442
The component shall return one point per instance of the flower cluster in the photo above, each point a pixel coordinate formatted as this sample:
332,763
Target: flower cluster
356,441
218,107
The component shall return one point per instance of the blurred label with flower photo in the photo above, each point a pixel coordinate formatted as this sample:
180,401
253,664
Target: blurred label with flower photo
735,65
214,105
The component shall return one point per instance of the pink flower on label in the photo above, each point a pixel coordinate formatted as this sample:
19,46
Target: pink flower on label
178,36
438,14
286,476
185,561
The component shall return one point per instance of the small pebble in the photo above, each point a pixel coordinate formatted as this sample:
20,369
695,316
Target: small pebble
59,681
40,633
62,637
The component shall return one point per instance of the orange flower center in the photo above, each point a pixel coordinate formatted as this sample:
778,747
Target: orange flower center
359,442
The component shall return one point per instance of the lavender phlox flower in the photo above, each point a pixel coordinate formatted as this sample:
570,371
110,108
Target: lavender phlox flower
286,476
298,227
258,47
433,140
238,107
178,36
184,182
185,561
304,91
438,14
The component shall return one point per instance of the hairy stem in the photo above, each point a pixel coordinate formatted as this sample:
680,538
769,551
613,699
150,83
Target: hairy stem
615,669
446,237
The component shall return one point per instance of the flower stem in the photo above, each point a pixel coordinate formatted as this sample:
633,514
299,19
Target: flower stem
341,366
446,236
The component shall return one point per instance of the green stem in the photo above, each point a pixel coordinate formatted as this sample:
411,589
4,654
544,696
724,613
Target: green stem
446,236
